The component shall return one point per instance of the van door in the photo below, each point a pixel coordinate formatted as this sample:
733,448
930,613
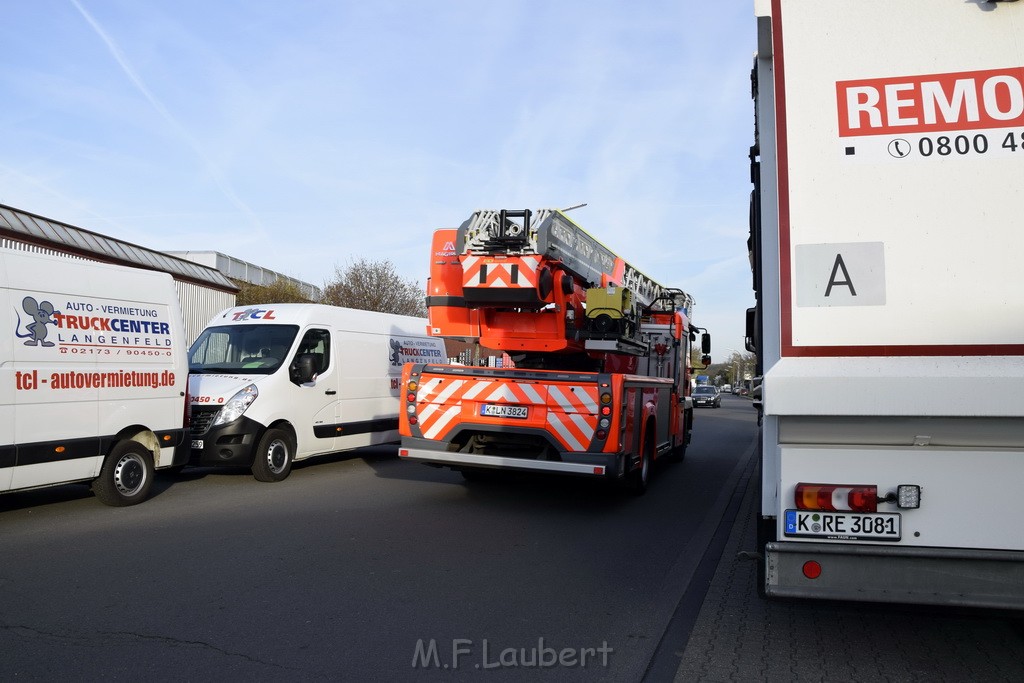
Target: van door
371,368
317,405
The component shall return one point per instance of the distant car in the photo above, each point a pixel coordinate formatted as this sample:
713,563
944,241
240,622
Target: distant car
705,395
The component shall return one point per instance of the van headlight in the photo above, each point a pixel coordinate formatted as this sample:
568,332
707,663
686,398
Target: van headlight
236,405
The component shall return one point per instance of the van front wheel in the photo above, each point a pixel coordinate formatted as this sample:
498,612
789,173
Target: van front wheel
127,475
273,461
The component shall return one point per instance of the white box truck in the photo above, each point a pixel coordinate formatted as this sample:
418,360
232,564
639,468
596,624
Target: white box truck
93,375
279,383
887,239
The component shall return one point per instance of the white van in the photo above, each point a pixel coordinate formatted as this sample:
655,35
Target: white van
277,383
92,376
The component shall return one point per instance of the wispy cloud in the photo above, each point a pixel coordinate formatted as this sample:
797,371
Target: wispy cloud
212,168
7,174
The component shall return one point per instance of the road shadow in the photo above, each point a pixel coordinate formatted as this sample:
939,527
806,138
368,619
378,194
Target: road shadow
65,493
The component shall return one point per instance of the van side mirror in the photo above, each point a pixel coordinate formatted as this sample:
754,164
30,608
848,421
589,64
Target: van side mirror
302,369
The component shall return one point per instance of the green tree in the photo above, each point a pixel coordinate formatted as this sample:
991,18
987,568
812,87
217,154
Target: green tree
374,286
278,292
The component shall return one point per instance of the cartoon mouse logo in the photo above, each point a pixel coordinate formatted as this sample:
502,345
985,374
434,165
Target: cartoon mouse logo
41,313
396,351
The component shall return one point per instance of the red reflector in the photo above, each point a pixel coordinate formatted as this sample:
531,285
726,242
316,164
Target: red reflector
413,420
601,433
403,453
837,497
812,569
599,470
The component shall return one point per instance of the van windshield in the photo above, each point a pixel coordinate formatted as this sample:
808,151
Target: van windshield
250,349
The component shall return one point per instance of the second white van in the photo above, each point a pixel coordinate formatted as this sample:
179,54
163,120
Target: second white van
273,384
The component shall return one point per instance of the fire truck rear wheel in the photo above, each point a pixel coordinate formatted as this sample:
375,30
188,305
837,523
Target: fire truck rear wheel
273,458
636,482
678,453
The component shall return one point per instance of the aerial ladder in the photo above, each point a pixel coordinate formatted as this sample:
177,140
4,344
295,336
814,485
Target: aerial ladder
601,352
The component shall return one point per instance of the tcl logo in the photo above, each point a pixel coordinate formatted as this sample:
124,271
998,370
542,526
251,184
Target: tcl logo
966,100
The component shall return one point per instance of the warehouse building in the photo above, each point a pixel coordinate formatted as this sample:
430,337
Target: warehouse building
243,271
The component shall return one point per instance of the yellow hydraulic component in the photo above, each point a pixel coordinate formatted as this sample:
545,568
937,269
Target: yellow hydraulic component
615,302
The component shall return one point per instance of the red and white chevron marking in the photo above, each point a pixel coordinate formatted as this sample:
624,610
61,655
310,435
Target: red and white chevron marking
482,271
571,410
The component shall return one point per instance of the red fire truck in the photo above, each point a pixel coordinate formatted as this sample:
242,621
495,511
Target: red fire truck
601,380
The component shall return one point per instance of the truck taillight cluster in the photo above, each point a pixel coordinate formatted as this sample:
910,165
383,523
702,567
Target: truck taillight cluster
606,411
410,399
854,497
837,497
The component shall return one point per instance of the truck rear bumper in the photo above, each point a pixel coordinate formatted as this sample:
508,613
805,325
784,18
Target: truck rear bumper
934,576
594,464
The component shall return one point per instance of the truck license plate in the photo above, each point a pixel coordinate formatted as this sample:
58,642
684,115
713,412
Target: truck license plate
197,444
845,526
499,410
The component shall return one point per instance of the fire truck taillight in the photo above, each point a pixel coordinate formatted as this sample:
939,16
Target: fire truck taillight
606,398
835,497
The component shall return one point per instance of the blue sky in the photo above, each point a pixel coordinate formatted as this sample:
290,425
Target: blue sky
301,135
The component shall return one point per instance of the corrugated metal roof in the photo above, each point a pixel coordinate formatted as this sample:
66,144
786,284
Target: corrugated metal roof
28,227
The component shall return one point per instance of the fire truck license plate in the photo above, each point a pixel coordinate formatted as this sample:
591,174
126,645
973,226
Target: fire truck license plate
846,526
197,444
492,410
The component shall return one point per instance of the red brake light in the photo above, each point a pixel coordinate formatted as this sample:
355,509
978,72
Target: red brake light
836,497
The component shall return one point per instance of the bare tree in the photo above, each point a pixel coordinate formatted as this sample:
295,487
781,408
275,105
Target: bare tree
278,292
374,286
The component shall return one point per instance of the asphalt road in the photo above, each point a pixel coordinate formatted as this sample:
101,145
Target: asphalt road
363,567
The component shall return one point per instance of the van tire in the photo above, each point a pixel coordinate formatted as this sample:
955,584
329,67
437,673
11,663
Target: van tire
273,457
127,475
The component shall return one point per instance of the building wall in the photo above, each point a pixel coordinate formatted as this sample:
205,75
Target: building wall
243,271
199,305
